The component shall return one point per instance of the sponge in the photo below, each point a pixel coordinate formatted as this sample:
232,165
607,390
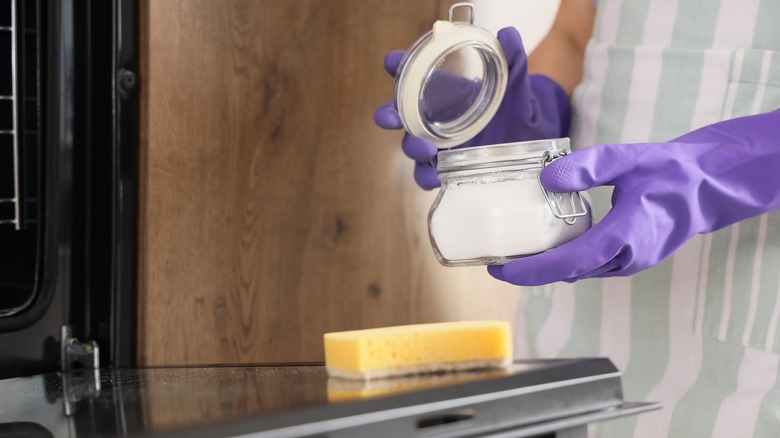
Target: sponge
418,349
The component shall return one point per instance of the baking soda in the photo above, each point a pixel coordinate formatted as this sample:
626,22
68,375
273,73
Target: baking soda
498,220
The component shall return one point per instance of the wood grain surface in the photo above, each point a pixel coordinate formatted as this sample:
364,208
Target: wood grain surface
272,209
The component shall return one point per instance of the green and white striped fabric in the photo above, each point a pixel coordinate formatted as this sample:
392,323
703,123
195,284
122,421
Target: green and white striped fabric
699,332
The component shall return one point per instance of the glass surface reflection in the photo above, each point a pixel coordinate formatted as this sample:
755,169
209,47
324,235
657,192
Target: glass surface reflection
340,390
132,402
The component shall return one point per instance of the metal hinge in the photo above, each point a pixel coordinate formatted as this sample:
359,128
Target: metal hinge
76,354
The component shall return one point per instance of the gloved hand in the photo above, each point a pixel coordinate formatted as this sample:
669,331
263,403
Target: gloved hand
664,194
533,107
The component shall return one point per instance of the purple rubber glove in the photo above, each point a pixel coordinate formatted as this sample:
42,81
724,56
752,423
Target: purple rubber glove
664,194
533,107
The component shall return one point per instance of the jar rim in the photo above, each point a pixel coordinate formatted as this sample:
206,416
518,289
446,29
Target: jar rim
500,155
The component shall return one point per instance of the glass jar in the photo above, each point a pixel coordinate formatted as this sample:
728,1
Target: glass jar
492,208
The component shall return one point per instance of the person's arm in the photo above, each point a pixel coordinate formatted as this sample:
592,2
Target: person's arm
559,56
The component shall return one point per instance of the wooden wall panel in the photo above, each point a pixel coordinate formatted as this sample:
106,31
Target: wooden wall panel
272,209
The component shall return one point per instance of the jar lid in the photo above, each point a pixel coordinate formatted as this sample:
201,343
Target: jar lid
450,83
531,153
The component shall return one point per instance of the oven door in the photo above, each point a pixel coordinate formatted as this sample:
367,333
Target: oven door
67,181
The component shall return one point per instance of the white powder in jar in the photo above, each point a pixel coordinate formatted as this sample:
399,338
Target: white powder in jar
499,219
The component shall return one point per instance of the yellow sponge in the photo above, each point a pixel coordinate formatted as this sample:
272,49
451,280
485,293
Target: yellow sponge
418,349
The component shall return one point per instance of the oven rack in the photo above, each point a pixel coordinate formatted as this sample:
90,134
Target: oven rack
20,99
9,29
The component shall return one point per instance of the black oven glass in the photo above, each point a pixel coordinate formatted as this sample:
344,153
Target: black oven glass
20,154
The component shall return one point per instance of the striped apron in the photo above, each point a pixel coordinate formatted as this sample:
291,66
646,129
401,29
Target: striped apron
699,332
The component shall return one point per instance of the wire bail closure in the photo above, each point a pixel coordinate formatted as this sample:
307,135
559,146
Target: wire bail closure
552,201
462,5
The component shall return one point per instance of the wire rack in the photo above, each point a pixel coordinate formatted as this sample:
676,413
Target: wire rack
20,76
10,200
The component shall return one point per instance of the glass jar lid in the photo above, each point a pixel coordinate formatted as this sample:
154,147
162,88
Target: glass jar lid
450,83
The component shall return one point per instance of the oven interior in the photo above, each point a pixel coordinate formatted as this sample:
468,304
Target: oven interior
21,157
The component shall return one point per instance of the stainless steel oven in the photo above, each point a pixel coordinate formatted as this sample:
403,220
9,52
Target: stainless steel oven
68,172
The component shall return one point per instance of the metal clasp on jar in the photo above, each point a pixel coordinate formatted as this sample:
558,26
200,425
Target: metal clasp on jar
462,5
552,201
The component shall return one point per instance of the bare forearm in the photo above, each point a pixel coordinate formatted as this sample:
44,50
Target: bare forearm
560,54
